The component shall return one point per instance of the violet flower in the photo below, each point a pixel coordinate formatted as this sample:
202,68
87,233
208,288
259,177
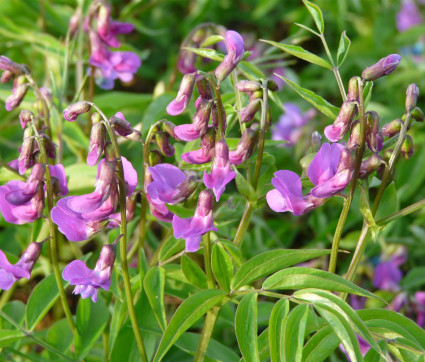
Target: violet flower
87,281
71,112
19,90
245,147
109,29
170,185
97,143
10,273
342,124
387,276
384,67
235,53
204,154
180,103
221,174
193,228
123,128
420,308
199,126
289,126
331,170
408,16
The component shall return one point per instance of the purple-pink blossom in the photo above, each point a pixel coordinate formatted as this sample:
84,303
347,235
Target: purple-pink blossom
180,103
235,53
221,173
193,228
87,281
10,273
408,16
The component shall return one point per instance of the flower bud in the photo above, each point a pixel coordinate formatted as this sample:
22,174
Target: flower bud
22,196
18,93
354,139
255,95
71,112
374,136
26,157
316,141
179,104
245,147
96,118
392,128
6,76
214,117
248,113
412,94
417,114
369,165
386,155
346,160
185,189
353,89
384,67
202,115
109,152
123,128
163,141
107,258
248,86
168,127
154,158
204,87
8,65
205,203
25,117
235,53
407,148
97,143
341,125
49,146
186,62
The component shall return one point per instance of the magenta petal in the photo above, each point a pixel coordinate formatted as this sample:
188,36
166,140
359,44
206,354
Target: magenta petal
332,133
276,201
180,226
6,280
92,156
177,106
187,132
58,171
77,269
325,163
130,175
192,243
166,173
86,203
196,157
334,185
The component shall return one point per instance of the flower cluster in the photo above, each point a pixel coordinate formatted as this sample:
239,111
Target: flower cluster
109,65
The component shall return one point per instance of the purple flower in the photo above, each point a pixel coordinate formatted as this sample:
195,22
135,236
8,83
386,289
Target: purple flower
97,143
287,195
408,16
159,210
26,193
19,90
123,128
420,308
71,112
331,170
342,124
193,228
87,282
199,126
289,126
384,67
109,29
202,155
10,273
221,174
58,176
235,53
387,276
8,65
245,147
170,185
179,104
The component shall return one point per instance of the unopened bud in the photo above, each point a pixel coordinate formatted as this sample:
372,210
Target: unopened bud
8,65
123,128
384,67
412,94
245,147
163,141
74,22
204,88
18,93
97,143
208,139
202,115
49,146
392,128
154,158
248,86
180,103
71,112
205,203
22,196
353,89
369,165
248,113
354,139
235,53
25,117
346,160
386,155
107,257
407,148
26,157
185,189
109,152
96,118
374,136
418,115
273,85
343,122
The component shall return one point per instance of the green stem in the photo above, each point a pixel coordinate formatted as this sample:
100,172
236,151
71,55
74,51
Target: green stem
403,212
238,100
244,223
123,241
207,261
347,203
34,338
52,232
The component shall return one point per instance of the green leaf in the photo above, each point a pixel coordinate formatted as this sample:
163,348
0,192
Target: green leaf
211,40
344,46
154,283
301,53
206,53
222,267
316,13
400,325
414,279
367,214
317,101
193,273
270,262
301,278
92,319
60,336
367,93
389,203
188,313
263,345
373,356
42,298
293,338
244,187
308,29
324,298
246,327
155,111
321,345
8,336
276,329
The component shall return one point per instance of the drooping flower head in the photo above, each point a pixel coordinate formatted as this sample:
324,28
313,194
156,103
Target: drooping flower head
221,173
342,124
203,154
384,67
97,143
193,228
10,273
87,281
180,103
235,53
71,112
